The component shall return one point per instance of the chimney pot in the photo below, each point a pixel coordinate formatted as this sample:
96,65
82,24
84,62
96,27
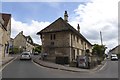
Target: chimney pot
66,16
78,27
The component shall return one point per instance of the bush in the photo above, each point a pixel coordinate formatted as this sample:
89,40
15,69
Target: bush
15,50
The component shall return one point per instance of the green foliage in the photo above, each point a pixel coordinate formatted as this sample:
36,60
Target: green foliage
10,50
99,50
15,50
37,49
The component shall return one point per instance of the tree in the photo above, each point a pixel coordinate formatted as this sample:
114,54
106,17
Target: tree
15,50
99,50
37,49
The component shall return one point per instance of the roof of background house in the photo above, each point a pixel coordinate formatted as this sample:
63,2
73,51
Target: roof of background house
6,18
26,37
11,39
115,48
61,26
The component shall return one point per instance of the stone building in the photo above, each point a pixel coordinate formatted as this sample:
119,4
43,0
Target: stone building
23,43
5,32
61,39
115,50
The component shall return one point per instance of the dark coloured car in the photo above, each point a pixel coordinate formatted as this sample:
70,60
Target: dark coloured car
36,53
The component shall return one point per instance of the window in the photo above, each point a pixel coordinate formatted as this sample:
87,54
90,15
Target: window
82,42
77,51
52,43
85,45
52,36
73,54
74,37
77,39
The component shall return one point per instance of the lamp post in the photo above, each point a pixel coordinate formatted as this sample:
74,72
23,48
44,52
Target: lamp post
101,38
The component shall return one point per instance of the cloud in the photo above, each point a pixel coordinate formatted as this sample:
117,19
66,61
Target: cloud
96,16
93,16
28,29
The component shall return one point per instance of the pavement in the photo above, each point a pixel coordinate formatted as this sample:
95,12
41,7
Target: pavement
5,61
54,66
66,68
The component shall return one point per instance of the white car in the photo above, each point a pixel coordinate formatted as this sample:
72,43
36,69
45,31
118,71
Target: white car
26,55
114,57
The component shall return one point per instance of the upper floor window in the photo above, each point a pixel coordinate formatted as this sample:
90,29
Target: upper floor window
77,39
74,37
53,36
82,42
85,45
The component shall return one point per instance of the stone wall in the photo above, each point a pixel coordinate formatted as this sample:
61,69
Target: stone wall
65,43
5,39
19,41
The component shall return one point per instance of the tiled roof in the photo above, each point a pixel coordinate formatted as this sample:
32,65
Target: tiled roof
115,48
59,23
28,37
6,18
61,26
25,37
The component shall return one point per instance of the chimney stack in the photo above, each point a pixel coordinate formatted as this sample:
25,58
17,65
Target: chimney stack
78,27
66,16
21,32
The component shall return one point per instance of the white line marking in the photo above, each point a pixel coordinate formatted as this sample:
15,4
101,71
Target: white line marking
102,66
8,64
99,69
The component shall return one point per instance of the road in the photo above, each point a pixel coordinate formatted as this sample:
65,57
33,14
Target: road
28,69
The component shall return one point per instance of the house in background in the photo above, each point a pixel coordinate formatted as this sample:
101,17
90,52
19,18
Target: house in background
23,43
5,32
115,50
61,39
11,45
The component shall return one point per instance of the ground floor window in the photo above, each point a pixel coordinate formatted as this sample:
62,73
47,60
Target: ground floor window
77,51
73,55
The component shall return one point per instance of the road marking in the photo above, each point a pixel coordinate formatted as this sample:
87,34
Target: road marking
7,64
103,66
99,69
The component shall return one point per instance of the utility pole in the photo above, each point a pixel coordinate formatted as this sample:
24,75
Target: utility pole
101,38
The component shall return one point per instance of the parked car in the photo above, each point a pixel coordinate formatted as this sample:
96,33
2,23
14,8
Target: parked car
43,56
26,56
114,57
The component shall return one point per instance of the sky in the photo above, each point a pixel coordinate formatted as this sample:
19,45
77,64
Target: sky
93,16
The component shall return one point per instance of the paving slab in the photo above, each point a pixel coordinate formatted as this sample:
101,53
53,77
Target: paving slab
66,68
5,60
